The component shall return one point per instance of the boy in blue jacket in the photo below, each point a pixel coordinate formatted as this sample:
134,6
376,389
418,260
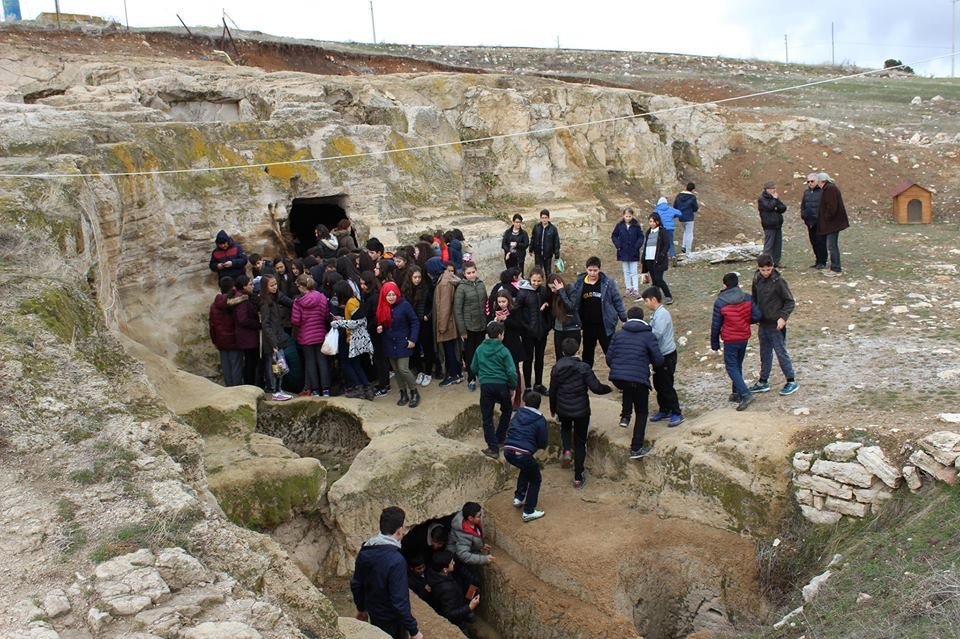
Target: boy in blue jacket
527,435
633,349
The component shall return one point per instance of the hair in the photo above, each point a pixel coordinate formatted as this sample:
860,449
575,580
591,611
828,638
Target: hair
347,268
438,534
343,291
504,293
569,346
593,261
330,264
764,260
312,251
537,270
470,509
373,244
266,296
507,276
635,312
556,303
656,218
531,399
323,233
517,218
544,212
391,519
296,264
415,561
306,281
467,265
371,281
458,235
406,252
227,284
364,262
691,186
330,279
277,261
414,294
440,560
241,280
387,270
343,224
309,262
428,238
253,258
494,330
449,264
424,253
629,210
731,280
824,177
653,292
448,237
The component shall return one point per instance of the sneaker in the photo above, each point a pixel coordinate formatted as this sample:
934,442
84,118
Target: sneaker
382,391
566,459
426,380
675,420
419,380
734,397
760,387
624,422
491,453
279,397
832,274
304,393
472,385
745,400
789,388
447,381
325,393
668,301
640,452
537,514
458,379
314,394
392,374
819,267
659,416
540,388
518,502
580,483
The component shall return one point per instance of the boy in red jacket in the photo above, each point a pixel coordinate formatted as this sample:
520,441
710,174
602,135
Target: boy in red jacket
733,313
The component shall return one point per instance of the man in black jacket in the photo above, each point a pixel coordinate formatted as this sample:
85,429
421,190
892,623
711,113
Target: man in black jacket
527,435
809,213
447,595
379,584
515,243
776,303
771,210
545,243
570,381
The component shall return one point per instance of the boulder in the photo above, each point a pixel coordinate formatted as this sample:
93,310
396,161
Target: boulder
873,459
843,472
926,463
825,517
943,446
844,507
876,494
841,451
179,569
912,477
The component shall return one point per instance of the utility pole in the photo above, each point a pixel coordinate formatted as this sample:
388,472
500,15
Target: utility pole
126,16
56,6
786,48
373,25
953,40
833,51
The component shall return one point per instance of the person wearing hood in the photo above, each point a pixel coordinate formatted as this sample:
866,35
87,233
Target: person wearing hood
326,242
379,584
831,219
686,203
398,323
310,316
594,297
469,312
668,218
627,238
733,313
527,435
633,350
228,258
771,210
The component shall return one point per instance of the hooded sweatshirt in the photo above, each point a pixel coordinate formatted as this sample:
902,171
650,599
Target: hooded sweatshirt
233,254
686,203
379,584
668,214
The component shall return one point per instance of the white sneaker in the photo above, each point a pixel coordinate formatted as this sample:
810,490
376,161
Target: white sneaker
419,381
537,514
517,502
426,380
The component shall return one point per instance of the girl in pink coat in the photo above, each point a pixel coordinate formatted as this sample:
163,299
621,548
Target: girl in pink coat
311,318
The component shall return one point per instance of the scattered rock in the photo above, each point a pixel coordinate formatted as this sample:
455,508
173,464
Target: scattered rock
97,620
56,603
811,589
863,598
873,459
926,463
917,100
841,451
802,462
220,630
943,446
802,410
950,418
820,516
178,569
914,483
787,617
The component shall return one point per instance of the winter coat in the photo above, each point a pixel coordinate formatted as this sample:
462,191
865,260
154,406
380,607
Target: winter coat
668,215
733,312
771,211
466,546
448,598
686,203
345,239
379,583
528,431
223,324
570,380
627,240
233,254
832,213
469,303
271,321
522,239
528,305
422,306
493,364
455,251
358,337
773,297
404,326
542,320
443,298
310,316
545,242
662,260
572,323
248,325
514,330
611,302
632,350
810,206
328,247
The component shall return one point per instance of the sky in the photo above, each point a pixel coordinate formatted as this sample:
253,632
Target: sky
865,32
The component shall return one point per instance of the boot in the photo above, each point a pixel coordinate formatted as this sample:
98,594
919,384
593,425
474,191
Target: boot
414,398
369,392
403,398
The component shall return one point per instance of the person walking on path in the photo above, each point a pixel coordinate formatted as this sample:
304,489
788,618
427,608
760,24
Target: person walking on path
379,584
595,298
493,366
570,382
733,312
664,374
627,238
545,243
686,202
776,303
668,218
809,213
771,210
654,256
515,243
527,435
632,350
832,218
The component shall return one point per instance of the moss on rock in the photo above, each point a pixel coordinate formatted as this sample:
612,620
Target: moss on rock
212,421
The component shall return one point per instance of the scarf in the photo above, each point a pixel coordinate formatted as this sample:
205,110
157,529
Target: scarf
384,315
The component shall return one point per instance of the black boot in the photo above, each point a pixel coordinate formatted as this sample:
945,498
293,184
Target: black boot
414,398
403,398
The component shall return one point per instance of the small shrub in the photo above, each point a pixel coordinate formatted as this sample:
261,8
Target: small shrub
83,477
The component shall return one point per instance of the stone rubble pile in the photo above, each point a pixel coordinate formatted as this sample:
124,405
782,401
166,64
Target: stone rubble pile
849,478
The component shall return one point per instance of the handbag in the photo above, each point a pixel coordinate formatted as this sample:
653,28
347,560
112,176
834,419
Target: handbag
331,343
280,366
559,265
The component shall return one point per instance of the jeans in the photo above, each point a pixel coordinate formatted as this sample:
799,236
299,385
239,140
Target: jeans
593,333
528,483
663,376
533,362
833,246
315,362
687,236
474,339
773,244
774,341
819,245
579,426
656,277
673,250
405,379
231,362
631,280
491,394
451,358
635,396
733,354
353,373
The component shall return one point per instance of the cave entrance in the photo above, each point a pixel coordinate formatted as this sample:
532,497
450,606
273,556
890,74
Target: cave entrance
307,212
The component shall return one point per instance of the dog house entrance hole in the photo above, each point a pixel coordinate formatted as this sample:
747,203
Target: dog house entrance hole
307,212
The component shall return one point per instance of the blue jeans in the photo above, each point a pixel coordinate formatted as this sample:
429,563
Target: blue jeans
231,362
631,279
451,358
773,341
528,483
733,354
833,247
352,367
687,236
673,250
491,394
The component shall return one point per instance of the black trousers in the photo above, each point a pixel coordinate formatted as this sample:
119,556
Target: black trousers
667,399
393,627
819,245
474,339
578,427
593,333
533,361
635,396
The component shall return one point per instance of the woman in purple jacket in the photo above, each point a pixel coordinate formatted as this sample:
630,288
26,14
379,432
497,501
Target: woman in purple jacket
311,318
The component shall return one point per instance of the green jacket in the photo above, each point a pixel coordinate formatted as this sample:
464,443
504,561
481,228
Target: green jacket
493,364
469,307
